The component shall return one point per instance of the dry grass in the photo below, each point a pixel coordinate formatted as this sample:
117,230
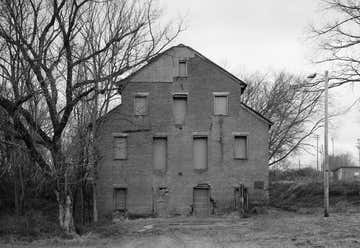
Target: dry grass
293,196
275,229
304,227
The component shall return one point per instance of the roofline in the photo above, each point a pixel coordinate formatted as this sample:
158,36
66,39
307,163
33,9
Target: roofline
242,83
153,59
257,113
218,66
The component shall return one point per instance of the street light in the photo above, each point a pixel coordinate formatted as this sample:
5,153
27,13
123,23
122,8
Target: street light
326,153
312,76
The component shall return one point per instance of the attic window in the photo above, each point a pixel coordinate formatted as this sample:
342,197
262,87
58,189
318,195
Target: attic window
182,68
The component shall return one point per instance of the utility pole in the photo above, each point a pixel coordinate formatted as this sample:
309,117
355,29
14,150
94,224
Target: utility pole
326,160
299,164
322,158
317,152
358,147
332,141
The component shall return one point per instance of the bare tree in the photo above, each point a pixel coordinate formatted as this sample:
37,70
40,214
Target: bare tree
50,45
292,104
339,40
340,160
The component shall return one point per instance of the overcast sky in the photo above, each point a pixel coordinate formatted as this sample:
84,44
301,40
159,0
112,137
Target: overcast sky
266,36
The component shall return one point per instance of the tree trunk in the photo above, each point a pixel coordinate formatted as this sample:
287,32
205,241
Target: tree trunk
82,208
92,153
62,192
16,196
95,211
18,182
66,219
22,188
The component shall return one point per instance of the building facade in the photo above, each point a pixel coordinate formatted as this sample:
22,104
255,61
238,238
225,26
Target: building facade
348,173
181,142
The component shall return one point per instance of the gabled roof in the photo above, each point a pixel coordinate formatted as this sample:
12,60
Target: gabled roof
219,67
257,114
236,79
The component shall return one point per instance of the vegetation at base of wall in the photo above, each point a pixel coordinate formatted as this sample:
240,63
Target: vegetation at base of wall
33,225
39,220
296,195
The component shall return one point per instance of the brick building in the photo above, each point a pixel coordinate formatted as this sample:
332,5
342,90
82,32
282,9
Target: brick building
181,142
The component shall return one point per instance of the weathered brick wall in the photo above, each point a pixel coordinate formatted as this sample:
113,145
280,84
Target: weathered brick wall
224,172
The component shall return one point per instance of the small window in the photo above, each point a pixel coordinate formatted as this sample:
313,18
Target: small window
179,108
182,68
240,147
120,199
200,153
141,104
120,147
259,185
220,103
160,153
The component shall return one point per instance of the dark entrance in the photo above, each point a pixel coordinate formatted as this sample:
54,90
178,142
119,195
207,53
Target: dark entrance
241,199
120,199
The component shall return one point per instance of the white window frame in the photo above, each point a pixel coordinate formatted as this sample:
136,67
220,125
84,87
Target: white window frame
142,95
241,134
221,94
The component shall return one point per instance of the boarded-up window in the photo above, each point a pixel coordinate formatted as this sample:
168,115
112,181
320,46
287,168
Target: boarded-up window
119,198
182,68
120,147
179,107
160,153
220,104
259,185
240,147
140,105
200,153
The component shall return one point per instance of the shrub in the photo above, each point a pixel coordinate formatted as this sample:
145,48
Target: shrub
310,194
307,173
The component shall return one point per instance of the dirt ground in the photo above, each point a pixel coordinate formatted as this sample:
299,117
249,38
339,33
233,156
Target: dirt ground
274,229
